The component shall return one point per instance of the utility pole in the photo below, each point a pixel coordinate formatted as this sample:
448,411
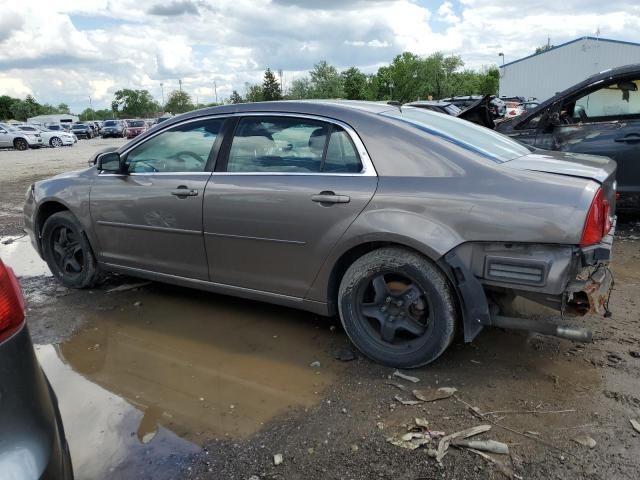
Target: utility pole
90,108
281,84
162,92
215,90
180,83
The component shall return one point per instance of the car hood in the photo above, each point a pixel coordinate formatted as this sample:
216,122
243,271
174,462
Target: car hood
581,165
478,112
85,172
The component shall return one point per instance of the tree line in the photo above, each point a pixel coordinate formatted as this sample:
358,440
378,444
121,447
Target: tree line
408,77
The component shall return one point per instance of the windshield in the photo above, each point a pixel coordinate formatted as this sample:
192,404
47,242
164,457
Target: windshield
7,127
79,126
136,123
110,123
472,137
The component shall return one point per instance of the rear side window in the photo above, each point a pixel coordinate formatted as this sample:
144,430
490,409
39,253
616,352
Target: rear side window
341,154
617,100
291,145
277,144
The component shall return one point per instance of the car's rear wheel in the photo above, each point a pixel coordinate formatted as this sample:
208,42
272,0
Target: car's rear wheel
67,251
397,308
55,142
20,144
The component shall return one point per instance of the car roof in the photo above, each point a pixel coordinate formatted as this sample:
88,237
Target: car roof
436,103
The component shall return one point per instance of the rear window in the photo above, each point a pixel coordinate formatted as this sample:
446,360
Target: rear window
472,137
110,123
136,123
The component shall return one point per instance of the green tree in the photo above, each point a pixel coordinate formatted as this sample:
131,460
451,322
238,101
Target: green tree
135,103
179,102
235,98
270,87
63,108
489,82
355,84
23,109
5,107
254,93
300,88
326,82
544,48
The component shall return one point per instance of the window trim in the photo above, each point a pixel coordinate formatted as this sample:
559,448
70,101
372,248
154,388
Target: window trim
228,129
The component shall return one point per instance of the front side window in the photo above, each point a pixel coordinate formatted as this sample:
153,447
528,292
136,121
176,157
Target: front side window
184,148
618,100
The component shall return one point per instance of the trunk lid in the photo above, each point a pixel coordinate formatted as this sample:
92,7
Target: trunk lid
593,167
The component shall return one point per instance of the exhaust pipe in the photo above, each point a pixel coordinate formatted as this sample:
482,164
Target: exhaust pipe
562,331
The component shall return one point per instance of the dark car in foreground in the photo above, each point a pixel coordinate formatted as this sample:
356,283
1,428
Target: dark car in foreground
32,440
409,224
82,130
600,116
113,128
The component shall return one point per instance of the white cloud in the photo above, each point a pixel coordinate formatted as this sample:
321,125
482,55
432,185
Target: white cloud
67,51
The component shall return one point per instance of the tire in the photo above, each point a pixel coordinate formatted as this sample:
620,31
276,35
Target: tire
411,314
20,144
55,142
69,254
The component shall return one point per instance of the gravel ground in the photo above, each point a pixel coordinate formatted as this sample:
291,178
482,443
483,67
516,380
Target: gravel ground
539,394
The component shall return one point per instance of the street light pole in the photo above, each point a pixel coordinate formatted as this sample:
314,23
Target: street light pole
162,92
90,108
215,90
502,74
180,83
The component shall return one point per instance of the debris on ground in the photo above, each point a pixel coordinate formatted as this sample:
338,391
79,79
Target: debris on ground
278,459
635,424
416,436
501,466
345,355
399,399
421,422
399,386
431,395
408,378
315,364
585,440
491,446
634,353
380,426
443,445
128,286
137,304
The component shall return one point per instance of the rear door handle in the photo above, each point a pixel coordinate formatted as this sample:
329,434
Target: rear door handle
330,197
184,191
633,137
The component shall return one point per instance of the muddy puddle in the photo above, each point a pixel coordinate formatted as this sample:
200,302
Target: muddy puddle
18,252
163,370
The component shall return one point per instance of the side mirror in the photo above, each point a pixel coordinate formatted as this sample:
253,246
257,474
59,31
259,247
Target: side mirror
109,162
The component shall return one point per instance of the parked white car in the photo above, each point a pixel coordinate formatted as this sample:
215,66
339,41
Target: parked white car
11,137
51,138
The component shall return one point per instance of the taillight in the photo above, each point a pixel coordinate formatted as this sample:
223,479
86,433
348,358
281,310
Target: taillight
11,303
598,222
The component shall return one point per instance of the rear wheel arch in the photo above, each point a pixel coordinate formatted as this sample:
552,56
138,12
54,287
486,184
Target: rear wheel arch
348,257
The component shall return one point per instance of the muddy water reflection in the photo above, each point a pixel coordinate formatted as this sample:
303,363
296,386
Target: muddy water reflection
203,366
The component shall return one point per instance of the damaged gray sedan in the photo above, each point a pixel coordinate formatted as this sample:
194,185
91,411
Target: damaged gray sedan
409,224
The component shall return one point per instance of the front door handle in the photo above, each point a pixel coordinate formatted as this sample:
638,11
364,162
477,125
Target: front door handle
632,137
184,191
330,197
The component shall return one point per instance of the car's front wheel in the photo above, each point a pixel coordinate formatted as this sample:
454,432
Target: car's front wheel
20,144
55,142
67,251
397,307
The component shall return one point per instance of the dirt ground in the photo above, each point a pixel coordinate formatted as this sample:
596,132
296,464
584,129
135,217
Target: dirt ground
160,382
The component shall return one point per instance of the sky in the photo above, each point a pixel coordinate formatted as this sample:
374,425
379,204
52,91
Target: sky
73,50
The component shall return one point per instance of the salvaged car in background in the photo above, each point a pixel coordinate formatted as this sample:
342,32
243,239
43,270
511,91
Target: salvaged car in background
135,128
113,128
409,224
600,116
